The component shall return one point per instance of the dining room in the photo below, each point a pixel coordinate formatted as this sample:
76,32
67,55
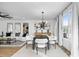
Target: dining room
36,29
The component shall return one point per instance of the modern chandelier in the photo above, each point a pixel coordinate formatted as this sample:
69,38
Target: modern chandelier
43,22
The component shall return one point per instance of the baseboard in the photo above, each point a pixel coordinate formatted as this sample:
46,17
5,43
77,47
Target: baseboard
65,50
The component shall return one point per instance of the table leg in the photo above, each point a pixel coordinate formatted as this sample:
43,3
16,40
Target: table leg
33,46
26,44
48,45
55,44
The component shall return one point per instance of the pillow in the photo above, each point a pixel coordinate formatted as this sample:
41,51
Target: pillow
17,34
24,35
8,34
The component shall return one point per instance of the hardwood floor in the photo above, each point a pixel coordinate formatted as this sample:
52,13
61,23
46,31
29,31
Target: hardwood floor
65,50
27,51
8,51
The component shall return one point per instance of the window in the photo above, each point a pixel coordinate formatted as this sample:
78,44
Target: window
17,27
66,23
9,27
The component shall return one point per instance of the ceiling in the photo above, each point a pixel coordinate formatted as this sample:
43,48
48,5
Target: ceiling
32,10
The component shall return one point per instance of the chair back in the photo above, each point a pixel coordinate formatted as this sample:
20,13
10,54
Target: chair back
41,41
44,31
39,31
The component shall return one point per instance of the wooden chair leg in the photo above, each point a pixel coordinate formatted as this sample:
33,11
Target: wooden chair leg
55,45
45,50
26,44
37,50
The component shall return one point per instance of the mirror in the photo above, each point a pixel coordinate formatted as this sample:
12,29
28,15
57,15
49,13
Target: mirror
25,28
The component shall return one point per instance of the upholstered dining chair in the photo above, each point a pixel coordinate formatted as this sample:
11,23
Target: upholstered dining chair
41,43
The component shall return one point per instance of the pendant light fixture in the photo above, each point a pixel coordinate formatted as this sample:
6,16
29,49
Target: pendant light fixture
42,15
43,22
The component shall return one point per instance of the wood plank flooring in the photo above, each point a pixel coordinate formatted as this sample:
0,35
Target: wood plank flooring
8,51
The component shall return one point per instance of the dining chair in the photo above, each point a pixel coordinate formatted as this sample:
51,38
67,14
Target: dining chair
41,43
53,40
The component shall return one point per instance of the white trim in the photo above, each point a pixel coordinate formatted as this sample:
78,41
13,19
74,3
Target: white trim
74,48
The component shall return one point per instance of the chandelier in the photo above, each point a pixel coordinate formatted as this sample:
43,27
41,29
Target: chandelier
43,23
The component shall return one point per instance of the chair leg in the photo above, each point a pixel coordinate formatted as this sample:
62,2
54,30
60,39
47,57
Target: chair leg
37,50
55,45
26,44
45,50
48,46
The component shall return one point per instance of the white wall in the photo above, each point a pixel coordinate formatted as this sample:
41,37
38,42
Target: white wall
74,47
3,24
60,30
56,29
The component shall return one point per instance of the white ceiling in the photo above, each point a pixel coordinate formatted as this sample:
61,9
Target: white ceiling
32,10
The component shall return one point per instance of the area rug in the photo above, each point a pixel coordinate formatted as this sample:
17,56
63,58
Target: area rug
18,43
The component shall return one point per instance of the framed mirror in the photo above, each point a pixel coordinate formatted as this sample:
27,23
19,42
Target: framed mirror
25,29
